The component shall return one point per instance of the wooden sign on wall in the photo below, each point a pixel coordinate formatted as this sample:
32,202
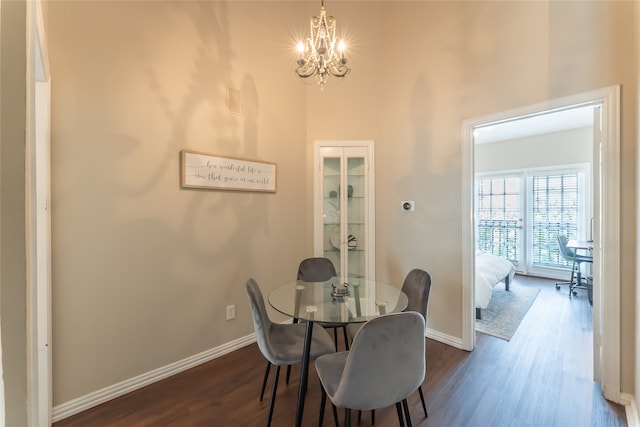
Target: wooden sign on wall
200,170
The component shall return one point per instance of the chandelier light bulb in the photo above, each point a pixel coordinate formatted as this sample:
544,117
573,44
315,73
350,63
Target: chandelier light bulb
301,61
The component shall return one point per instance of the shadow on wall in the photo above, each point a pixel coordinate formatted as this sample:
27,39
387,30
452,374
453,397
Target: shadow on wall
128,236
205,248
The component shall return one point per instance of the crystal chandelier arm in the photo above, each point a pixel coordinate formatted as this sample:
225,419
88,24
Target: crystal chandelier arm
319,54
338,70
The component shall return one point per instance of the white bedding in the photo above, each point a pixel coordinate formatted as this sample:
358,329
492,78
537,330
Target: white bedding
490,270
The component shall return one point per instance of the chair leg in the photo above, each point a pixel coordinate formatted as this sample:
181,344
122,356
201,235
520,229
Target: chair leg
570,282
323,402
273,395
264,381
373,416
405,404
424,406
288,373
346,338
335,337
400,415
574,273
347,417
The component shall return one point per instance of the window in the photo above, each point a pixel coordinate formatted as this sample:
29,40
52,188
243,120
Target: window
555,211
520,215
499,216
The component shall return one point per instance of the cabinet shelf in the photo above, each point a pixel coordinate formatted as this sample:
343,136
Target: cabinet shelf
337,199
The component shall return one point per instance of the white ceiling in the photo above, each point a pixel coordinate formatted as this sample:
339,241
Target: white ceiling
535,125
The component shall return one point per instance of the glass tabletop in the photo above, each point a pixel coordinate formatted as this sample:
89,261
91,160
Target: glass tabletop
323,302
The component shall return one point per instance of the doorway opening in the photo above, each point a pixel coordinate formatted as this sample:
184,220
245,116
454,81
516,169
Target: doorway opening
606,228
532,185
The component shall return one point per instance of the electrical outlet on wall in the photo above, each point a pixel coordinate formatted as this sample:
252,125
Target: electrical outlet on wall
231,312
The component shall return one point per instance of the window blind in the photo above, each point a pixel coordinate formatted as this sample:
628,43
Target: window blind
555,212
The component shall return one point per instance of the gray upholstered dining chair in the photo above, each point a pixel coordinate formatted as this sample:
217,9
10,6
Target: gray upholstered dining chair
319,269
282,344
417,287
385,365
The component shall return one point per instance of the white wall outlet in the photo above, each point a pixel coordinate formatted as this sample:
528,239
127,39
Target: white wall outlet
231,312
408,206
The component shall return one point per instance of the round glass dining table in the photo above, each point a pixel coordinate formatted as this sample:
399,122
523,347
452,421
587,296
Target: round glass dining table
333,301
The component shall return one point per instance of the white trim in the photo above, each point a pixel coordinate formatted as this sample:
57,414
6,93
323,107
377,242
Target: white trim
39,220
88,401
607,259
609,302
41,51
95,398
468,236
630,409
444,338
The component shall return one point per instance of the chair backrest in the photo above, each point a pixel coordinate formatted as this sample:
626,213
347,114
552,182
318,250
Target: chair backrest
567,253
417,287
261,321
386,362
316,269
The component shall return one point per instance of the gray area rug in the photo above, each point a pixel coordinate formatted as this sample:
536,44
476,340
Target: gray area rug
506,310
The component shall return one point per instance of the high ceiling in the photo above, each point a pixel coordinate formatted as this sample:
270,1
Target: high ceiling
535,125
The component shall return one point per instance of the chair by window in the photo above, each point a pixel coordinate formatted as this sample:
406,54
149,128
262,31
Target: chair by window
385,365
576,260
282,344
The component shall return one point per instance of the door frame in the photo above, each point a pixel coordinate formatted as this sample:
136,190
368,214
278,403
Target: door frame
39,221
606,306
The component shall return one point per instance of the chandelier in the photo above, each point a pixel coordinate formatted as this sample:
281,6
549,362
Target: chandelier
321,55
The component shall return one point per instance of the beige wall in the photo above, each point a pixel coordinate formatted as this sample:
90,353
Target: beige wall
13,272
552,149
142,269
636,16
422,68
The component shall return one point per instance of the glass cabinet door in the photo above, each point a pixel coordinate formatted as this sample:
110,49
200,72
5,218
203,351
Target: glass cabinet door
332,217
355,231
345,228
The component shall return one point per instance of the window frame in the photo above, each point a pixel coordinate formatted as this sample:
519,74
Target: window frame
583,170
525,263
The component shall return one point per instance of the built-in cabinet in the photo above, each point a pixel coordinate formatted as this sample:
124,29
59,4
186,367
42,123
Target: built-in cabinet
344,206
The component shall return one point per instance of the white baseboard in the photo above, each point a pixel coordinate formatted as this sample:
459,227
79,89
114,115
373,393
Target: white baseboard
98,397
445,339
630,409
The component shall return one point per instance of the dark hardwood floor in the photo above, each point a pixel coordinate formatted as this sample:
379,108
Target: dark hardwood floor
542,377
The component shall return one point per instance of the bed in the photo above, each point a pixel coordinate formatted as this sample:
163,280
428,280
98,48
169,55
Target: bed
490,270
